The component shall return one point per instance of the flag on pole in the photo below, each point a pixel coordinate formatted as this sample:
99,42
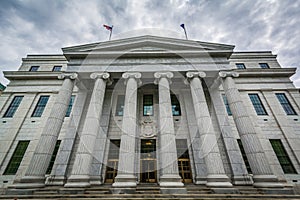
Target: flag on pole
182,26
110,28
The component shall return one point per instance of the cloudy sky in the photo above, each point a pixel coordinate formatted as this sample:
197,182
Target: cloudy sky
43,26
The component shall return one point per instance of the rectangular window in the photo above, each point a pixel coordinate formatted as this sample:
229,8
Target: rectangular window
120,105
53,157
56,68
258,106
244,156
286,105
283,157
148,105
13,106
40,106
226,105
175,105
70,106
240,65
34,68
264,65
16,158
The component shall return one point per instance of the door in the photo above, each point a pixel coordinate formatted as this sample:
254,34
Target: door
148,161
112,162
184,165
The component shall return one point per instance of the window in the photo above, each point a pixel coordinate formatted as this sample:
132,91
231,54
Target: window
240,65
120,105
148,105
70,106
244,156
54,154
264,65
34,68
16,158
226,105
56,68
282,156
175,105
13,106
40,106
289,110
258,106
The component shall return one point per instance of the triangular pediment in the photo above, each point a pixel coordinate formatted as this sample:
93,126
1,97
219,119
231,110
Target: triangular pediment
148,43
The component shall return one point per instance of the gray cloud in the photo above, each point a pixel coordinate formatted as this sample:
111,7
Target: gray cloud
46,26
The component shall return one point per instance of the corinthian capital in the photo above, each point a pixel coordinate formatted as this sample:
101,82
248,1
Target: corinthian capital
195,74
71,76
224,74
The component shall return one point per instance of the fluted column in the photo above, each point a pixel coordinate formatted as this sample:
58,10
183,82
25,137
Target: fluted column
263,175
168,152
80,175
35,174
126,174
216,176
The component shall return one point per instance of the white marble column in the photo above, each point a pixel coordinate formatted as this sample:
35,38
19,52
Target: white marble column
168,152
80,175
126,170
263,175
35,174
216,176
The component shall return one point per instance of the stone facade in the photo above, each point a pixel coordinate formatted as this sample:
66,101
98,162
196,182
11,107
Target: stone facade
151,110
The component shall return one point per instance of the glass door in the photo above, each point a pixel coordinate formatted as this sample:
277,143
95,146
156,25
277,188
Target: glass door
148,161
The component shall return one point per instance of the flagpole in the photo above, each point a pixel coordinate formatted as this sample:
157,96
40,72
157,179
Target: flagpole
111,32
182,26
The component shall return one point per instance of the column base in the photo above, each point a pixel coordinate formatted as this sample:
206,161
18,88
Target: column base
78,181
218,180
55,180
266,181
170,181
242,179
28,182
201,180
95,180
124,180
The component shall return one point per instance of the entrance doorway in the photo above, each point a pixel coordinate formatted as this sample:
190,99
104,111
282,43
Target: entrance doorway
184,165
148,161
112,162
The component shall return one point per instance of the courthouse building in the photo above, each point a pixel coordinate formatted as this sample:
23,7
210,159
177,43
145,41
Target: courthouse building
150,110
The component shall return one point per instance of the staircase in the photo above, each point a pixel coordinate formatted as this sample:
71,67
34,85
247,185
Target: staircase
151,192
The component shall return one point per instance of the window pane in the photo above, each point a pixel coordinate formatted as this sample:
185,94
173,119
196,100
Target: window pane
244,156
226,104
16,158
240,66
13,106
39,109
258,106
264,65
289,110
120,105
34,68
283,157
56,68
148,105
70,106
53,157
176,110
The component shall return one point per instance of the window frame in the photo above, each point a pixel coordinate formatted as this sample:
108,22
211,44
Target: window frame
150,105
16,158
258,105
286,106
240,64
34,68
120,105
57,66
244,156
53,157
264,65
70,106
12,109
225,101
39,113
174,103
